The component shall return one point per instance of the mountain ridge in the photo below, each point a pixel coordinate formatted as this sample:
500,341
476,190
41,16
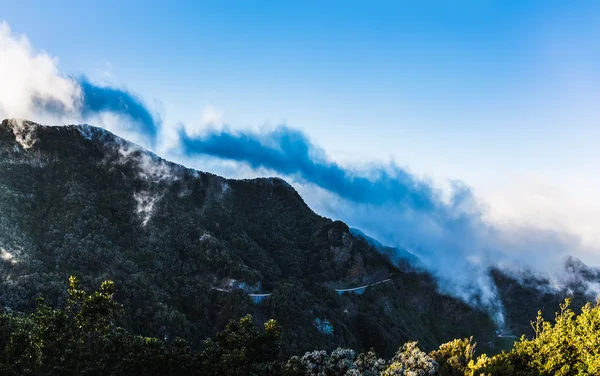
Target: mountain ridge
80,200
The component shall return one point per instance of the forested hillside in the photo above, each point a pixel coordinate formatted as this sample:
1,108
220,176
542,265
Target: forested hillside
82,339
189,250
79,200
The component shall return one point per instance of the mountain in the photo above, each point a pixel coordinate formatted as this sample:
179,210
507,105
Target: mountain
524,294
400,257
190,250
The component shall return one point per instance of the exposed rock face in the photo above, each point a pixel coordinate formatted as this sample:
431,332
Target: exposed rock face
341,253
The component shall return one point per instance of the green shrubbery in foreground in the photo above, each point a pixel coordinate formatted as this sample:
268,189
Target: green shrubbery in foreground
82,339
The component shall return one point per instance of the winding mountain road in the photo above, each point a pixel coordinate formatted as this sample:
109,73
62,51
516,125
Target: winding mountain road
257,298
360,289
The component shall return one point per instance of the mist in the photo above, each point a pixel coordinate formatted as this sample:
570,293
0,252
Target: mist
446,229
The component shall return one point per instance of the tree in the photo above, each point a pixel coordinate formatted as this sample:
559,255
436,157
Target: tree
569,347
241,350
411,361
453,357
82,339
368,364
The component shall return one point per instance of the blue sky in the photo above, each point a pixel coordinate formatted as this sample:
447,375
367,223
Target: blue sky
430,84
466,132
501,95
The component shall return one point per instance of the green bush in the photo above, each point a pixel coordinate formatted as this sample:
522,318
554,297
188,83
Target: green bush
570,346
83,339
453,357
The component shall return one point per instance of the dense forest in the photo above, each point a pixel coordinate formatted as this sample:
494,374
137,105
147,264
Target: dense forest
187,248
81,338
188,251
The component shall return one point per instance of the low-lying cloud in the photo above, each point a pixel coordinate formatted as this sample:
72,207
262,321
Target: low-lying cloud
386,201
447,231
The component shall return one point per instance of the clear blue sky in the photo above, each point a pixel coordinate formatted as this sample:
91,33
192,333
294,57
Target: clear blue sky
480,91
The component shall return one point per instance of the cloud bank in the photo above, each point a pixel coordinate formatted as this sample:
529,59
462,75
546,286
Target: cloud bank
31,86
447,231
30,79
385,200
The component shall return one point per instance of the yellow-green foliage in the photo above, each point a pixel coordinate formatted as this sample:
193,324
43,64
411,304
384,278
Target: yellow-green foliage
498,365
570,346
411,361
454,356
83,339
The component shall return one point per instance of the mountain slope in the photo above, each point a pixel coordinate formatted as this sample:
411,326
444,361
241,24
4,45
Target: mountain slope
400,257
185,248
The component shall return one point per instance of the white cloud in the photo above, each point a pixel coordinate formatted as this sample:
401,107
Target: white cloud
33,88
567,206
116,124
145,205
27,75
212,116
209,117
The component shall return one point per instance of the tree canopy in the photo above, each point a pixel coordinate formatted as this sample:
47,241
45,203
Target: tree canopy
81,338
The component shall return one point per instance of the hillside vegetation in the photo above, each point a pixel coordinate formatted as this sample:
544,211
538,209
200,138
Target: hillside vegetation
187,249
77,200
82,339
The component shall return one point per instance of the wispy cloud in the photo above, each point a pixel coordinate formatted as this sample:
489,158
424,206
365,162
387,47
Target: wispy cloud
447,231
289,151
97,99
